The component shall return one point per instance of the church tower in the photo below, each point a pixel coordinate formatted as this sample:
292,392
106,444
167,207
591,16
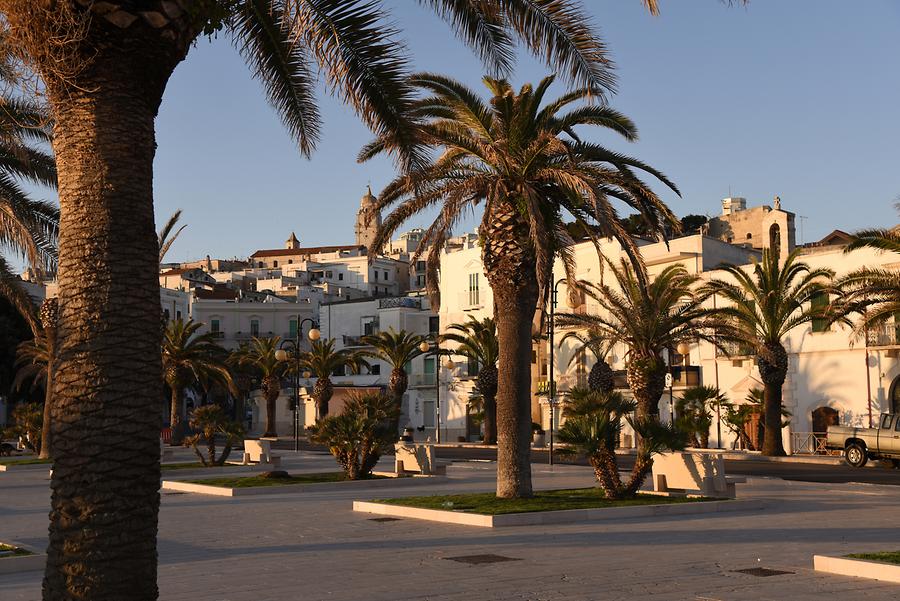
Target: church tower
368,220
292,243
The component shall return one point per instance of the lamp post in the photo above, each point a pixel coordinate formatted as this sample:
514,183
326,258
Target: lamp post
684,350
551,327
283,355
424,346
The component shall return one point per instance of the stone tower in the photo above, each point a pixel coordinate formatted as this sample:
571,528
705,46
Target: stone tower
368,220
292,243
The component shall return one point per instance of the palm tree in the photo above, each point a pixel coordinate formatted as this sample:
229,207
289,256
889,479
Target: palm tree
168,234
210,421
396,349
871,292
322,360
188,358
259,356
476,340
601,378
35,360
764,305
649,317
523,160
695,412
105,81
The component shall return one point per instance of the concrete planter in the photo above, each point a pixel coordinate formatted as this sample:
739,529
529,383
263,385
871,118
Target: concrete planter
567,516
861,568
17,564
220,491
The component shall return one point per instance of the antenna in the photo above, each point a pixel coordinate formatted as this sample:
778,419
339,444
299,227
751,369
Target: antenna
801,218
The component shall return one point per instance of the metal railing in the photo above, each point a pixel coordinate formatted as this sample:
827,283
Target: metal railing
399,302
886,334
810,443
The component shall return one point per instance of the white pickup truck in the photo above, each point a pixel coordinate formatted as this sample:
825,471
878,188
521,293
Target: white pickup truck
861,444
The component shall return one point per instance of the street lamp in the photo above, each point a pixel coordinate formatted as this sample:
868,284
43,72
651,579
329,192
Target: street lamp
424,346
683,349
551,394
283,355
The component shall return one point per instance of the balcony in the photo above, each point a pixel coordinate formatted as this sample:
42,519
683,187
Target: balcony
471,300
686,376
400,302
422,380
734,351
885,335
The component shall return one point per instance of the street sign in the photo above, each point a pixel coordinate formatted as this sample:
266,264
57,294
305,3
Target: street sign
668,380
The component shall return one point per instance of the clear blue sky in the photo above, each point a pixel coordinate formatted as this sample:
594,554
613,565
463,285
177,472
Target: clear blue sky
796,98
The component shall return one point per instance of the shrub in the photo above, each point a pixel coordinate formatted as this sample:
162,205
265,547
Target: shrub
211,420
27,419
360,435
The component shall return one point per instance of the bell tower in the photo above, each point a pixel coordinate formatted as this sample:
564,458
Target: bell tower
368,219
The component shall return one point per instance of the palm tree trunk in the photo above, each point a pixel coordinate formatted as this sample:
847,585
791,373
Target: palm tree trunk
487,385
105,419
647,380
773,363
271,398
514,320
606,470
176,407
398,385
45,424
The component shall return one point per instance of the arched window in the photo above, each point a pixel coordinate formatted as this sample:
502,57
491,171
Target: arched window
775,239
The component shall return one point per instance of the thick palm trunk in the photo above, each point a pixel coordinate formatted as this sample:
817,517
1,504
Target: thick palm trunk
773,363
322,392
49,321
105,87
509,263
48,405
176,427
271,399
606,470
398,384
647,380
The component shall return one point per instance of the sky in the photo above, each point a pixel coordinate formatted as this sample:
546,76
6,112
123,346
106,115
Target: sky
796,99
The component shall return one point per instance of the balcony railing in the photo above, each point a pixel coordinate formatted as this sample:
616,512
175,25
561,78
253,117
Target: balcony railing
886,334
399,302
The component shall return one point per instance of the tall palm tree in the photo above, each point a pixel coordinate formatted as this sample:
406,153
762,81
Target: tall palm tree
524,161
322,360
396,349
105,81
476,340
168,234
259,356
763,306
188,358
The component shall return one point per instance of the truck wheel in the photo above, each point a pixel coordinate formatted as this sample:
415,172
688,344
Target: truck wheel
855,455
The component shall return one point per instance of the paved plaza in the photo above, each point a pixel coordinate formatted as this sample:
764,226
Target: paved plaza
311,546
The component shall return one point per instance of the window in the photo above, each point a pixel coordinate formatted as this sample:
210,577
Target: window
428,370
386,278
340,371
329,274
214,326
254,327
166,314
274,263
341,276
177,314
473,368
292,328
886,421
370,326
775,239
376,277
818,303
434,324
749,236
290,261
420,265
420,280
260,264
473,288
375,369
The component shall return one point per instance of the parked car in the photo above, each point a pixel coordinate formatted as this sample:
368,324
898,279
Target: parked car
861,444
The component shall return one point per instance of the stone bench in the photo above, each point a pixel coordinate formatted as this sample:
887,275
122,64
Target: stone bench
417,459
259,452
693,474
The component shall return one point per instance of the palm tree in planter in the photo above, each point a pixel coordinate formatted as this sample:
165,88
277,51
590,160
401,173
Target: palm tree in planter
763,305
260,357
190,358
649,317
396,349
593,419
210,421
694,411
522,159
322,361
601,377
105,80
476,340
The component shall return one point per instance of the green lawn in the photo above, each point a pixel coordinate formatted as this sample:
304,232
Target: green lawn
252,481
884,556
187,466
23,461
547,500
10,551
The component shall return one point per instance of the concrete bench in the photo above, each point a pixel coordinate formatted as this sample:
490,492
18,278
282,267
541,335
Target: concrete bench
166,453
417,459
694,474
259,452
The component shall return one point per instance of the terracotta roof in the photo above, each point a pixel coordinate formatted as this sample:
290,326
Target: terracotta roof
178,271
310,250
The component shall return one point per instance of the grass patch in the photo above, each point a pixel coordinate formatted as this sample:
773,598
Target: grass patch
884,556
23,461
187,466
546,500
253,481
11,551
